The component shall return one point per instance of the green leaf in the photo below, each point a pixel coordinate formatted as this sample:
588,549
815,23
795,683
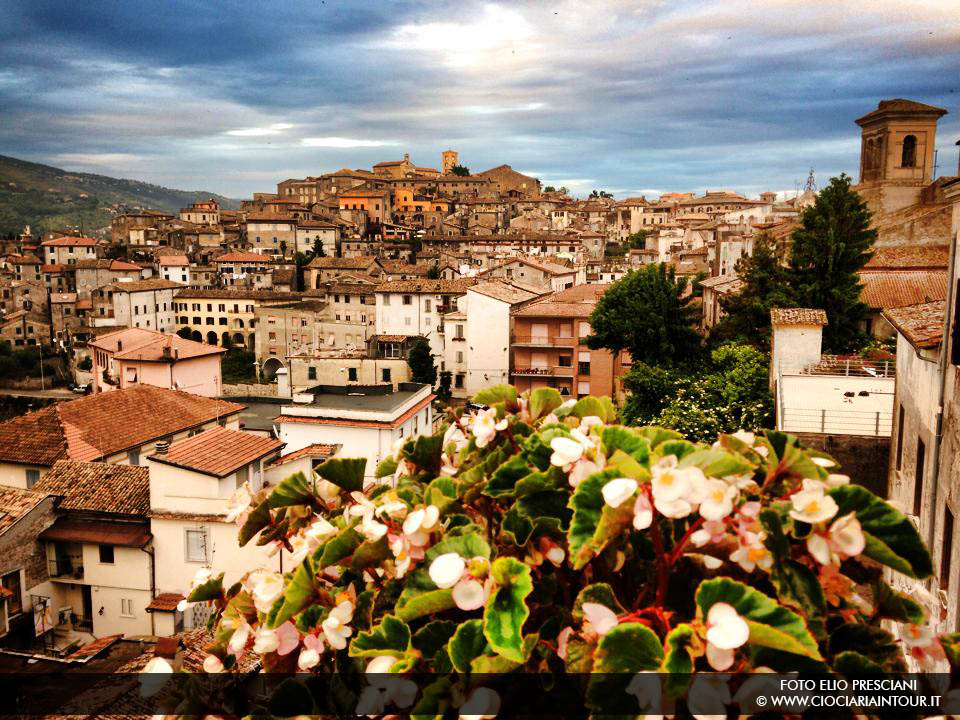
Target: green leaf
892,539
678,662
951,646
390,637
497,394
467,643
628,648
855,666
506,610
256,521
386,467
588,406
434,701
487,664
544,401
340,546
897,606
427,602
799,587
875,643
346,473
680,448
616,437
717,463
442,492
505,477
294,490
433,636
587,504
370,553
657,435
425,452
771,625
296,595
599,593
212,589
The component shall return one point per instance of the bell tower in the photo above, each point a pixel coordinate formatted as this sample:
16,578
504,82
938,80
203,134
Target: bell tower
897,142
451,158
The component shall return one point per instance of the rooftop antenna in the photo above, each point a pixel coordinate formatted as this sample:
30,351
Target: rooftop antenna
936,157
811,185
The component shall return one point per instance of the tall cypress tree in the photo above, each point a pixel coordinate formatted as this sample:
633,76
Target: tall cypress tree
420,360
834,242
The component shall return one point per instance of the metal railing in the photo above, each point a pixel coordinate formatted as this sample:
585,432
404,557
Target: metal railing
551,371
844,366
837,422
544,340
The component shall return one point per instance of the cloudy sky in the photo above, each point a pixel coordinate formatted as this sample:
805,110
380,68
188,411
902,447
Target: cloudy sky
634,97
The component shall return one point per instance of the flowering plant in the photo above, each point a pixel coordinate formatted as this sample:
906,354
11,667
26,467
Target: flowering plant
539,538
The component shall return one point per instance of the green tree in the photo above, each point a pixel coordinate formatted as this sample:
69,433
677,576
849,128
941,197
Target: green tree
648,313
601,194
85,363
460,170
433,273
422,368
549,189
765,286
834,242
443,389
563,189
184,333
649,389
638,240
317,250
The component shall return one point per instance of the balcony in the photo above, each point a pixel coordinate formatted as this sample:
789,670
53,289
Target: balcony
563,371
63,569
543,341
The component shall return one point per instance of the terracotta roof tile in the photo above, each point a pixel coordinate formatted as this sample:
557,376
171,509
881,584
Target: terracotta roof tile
913,257
165,602
361,262
896,288
232,257
798,316
100,425
317,450
70,242
98,532
218,451
145,285
15,503
99,487
921,325
149,346
426,285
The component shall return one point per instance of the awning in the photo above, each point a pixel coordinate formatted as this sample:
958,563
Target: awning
101,532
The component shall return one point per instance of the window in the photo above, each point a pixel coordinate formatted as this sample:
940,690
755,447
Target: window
126,607
406,321
33,477
106,554
564,361
223,321
946,550
11,582
900,437
459,356
134,457
918,478
584,328
352,374
386,299
407,300
426,305
908,157
196,545
458,332
385,374
311,373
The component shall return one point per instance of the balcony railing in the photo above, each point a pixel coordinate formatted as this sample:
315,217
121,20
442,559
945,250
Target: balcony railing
551,371
837,422
544,340
62,568
845,366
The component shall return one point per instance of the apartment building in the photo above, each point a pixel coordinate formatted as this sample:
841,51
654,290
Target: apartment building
272,234
142,303
68,250
218,315
416,307
175,268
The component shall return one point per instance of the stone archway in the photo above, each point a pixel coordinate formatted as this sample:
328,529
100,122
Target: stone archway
196,336
212,338
238,340
270,367
225,338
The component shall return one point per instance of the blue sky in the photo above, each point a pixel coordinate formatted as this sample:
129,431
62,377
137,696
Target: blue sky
632,97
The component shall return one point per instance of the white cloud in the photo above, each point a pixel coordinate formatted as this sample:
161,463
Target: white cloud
274,129
344,142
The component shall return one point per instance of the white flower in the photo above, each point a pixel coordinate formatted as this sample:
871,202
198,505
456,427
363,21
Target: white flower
618,491
267,589
811,505
371,529
420,523
674,509
310,654
454,435
265,640
238,641
708,696
745,437
468,594
590,421
301,548
335,627
587,443
725,628
212,664
752,553
719,500
483,704
485,427
668,482
823,462
844,539
600,618
371,702
556,555
239,503
642,512
646,687
203,574
565,451
381,664
836,480
319,530
447,569
582,469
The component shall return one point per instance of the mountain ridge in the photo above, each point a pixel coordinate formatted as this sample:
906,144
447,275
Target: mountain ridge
50,198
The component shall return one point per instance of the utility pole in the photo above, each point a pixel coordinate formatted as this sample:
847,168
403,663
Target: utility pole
40,350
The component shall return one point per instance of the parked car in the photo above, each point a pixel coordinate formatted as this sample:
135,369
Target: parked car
81,389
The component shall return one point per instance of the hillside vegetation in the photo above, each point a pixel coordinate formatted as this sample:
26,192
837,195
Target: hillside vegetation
49,198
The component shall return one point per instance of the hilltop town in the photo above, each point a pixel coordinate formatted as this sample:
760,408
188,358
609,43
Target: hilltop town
186,355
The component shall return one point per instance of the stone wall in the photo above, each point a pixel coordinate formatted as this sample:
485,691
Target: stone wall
21,550
250,390
864,459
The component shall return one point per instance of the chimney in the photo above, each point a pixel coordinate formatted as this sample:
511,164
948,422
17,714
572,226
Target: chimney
167,351
162,447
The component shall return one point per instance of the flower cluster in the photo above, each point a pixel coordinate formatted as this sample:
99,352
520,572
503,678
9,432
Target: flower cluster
539,533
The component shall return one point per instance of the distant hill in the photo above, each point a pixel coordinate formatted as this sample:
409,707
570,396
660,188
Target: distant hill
48,198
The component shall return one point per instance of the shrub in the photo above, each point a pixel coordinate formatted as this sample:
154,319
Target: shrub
537,544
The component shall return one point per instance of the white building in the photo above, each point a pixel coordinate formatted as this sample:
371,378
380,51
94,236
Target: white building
175,268
364,421
416,307
145,303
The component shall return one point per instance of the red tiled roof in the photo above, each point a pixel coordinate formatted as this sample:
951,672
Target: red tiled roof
99,487
317,450
912,257
165,602
798,316
99,532
149,346
100,425
70,242
218,451
145,285
896,288
244,257
15,503
94,648
921,325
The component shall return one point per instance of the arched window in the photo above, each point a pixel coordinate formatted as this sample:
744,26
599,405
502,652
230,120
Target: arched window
909,156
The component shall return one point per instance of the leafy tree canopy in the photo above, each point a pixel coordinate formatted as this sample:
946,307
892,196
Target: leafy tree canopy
420,360
648,313
460,170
